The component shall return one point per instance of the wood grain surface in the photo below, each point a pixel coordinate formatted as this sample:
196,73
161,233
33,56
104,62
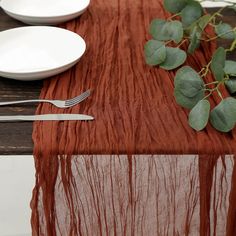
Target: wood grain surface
16,138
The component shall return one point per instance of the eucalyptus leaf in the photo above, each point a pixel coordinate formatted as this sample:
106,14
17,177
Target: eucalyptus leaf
174,6
223,31
194,40
199,115
175,30
204,21
200,25
188,81
191,13
155,52
166,30
175,57
232,107
188,102
223,116
156,27
218,63
230,67
231,85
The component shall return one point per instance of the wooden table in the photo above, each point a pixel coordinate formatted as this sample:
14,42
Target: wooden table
15,138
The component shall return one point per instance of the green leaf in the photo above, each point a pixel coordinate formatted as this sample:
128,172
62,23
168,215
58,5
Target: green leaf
188,82
155,52
231,85
222,30
218,63
199,115
174,6
191,13
203,21
188,30
230,67
194,40
219,56
175,30
175,57
201,24
188,102
165,30
223,116
156,27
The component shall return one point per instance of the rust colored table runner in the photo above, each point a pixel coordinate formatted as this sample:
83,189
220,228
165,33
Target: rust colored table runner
115,175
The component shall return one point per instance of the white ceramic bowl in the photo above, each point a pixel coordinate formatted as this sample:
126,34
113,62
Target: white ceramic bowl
44,12
38,52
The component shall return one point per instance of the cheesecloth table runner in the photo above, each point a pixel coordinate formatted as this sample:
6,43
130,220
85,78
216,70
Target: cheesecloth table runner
126,173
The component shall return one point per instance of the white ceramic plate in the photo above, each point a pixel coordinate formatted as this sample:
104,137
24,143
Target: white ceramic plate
44,12
217,3
37,52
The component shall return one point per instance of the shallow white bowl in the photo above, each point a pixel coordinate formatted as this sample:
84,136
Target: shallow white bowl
217,3
44,12
38,52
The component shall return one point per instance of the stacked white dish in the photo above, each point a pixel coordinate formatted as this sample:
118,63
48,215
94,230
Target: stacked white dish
44,12
37,52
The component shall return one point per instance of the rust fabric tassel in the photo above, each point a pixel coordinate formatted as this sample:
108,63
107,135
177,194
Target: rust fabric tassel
126,173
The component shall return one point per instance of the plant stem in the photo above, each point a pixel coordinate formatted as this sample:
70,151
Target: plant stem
232,47
201,70
208,90
208,95
167,42
173,16
214,89
214,82
185,40
219,93
206,68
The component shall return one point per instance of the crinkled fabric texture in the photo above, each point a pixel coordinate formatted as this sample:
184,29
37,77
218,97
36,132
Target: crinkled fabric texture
115,175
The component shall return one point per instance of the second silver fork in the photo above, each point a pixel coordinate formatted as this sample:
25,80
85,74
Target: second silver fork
58,103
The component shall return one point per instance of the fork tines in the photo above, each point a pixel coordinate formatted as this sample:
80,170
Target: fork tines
78,99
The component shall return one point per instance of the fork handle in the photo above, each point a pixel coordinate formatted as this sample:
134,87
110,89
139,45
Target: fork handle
23,101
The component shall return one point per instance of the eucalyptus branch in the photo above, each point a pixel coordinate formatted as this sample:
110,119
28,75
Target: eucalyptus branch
216,88
218,36
217,13
191,90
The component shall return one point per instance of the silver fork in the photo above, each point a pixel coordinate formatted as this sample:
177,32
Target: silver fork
58,103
